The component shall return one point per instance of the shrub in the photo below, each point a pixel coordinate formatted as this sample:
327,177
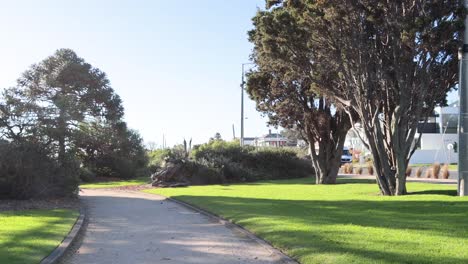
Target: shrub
359,170
348,168
112,151
157,157
344,168
445,172
249,164
87,175
428,173
27,171
370,169
419,172
435,170
409,171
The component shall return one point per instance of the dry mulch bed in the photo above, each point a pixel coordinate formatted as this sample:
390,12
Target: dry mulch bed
16,205
133,187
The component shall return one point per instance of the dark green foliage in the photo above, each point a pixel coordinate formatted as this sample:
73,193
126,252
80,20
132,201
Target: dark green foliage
53,96
217,136
87,175
61,122
112,150
237,163
386,63
284,85
27,171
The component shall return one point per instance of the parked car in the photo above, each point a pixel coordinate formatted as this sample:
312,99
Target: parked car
346,157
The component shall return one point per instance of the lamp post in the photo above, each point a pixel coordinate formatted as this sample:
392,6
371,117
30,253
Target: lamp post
242,103
463,116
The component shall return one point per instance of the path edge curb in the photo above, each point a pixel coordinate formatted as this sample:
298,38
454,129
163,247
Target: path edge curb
56,255
284,259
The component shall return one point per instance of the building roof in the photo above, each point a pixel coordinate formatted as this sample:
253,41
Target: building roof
273,135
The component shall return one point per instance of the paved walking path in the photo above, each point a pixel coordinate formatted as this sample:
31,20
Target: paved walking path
130,227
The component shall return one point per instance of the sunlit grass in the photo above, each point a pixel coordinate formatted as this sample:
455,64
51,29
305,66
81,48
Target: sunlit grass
344,223
29,236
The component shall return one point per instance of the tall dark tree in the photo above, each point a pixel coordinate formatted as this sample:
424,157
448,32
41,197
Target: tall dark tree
62,118
111,150
54,96
395,61
285,88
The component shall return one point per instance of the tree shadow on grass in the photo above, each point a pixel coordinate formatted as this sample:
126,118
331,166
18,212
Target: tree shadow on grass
435,192
324,249
354,181
308,180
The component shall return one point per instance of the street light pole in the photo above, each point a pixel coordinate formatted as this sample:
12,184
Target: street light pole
242,104
463,116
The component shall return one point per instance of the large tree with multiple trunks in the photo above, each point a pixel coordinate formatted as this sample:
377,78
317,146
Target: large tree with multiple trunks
394,62
284,87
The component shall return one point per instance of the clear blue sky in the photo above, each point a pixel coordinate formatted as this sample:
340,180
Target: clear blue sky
175,63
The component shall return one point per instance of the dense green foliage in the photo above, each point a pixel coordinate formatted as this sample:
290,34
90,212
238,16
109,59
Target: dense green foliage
111,150
156,158
29,236
27,171
284,87
386,63
63,121
219,161
344,223
237,163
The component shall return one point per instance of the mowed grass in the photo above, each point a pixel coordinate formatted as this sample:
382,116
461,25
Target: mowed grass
114,184
29,236
344,223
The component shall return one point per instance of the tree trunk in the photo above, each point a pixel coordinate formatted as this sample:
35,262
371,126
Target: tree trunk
401,166
390,165
327,161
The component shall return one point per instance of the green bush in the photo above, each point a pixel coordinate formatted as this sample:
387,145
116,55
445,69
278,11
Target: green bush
237,163
157,157
114,165
112,150
27,171
87,175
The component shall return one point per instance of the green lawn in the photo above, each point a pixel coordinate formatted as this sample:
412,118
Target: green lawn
344,223
113,184
29,236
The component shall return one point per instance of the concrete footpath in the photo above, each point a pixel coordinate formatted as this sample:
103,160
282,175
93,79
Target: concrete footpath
130,227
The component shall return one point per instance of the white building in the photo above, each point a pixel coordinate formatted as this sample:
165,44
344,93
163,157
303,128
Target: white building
271,140
439,140
249,141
